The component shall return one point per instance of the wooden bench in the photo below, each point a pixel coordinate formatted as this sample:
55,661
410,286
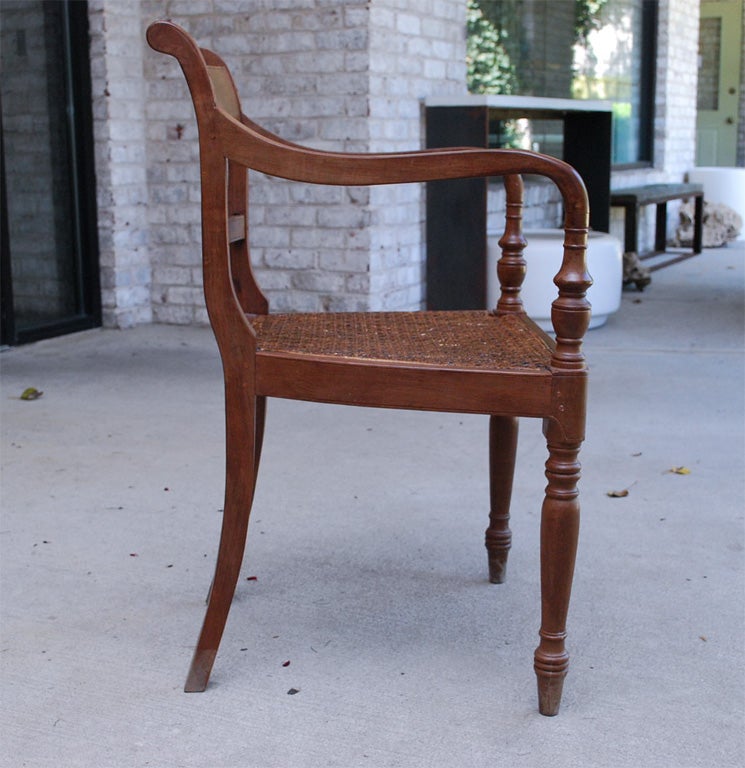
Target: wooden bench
632,198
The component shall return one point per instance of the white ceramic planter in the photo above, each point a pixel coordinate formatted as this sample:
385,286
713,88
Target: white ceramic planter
543,255
722,185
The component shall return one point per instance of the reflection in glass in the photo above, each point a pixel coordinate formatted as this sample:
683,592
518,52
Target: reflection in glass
709,52
38,171
583,49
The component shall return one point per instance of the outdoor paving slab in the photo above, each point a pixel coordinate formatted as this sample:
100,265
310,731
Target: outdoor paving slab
366,544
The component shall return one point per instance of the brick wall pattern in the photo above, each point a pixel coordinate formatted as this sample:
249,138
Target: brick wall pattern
119,130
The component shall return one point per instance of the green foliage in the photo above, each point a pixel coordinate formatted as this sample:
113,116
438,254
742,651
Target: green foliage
490,68
587,18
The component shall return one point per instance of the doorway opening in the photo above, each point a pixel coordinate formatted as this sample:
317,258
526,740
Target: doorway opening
718,103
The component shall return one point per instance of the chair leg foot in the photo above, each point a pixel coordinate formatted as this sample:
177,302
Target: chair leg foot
502,448
199,672
497,567
229,559
550,688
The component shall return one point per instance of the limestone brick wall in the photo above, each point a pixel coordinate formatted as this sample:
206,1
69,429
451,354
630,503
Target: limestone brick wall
416,49
301,69
342,76
173,182
306,76
119,129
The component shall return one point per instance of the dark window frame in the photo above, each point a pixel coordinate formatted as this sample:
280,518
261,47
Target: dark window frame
76,44
650,16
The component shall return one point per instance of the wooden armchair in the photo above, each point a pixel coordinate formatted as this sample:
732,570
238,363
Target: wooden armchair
497,362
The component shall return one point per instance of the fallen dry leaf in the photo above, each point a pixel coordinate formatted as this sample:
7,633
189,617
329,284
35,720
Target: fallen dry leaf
622,494
31,393
679,471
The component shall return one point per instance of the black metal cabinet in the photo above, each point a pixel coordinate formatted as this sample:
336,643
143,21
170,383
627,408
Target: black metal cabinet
456,210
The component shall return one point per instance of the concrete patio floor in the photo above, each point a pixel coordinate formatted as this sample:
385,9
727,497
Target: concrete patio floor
366,544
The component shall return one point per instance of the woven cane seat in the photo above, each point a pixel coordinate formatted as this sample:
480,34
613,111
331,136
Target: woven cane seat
462,340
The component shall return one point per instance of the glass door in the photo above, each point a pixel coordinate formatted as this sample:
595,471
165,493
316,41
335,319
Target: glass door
49,277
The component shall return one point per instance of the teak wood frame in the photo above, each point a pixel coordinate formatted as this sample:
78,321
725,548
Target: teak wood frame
257,365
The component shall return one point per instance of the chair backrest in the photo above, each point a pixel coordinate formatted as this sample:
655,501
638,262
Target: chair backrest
230,144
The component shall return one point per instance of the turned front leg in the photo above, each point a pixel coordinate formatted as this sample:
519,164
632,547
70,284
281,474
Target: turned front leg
559,531
502,447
